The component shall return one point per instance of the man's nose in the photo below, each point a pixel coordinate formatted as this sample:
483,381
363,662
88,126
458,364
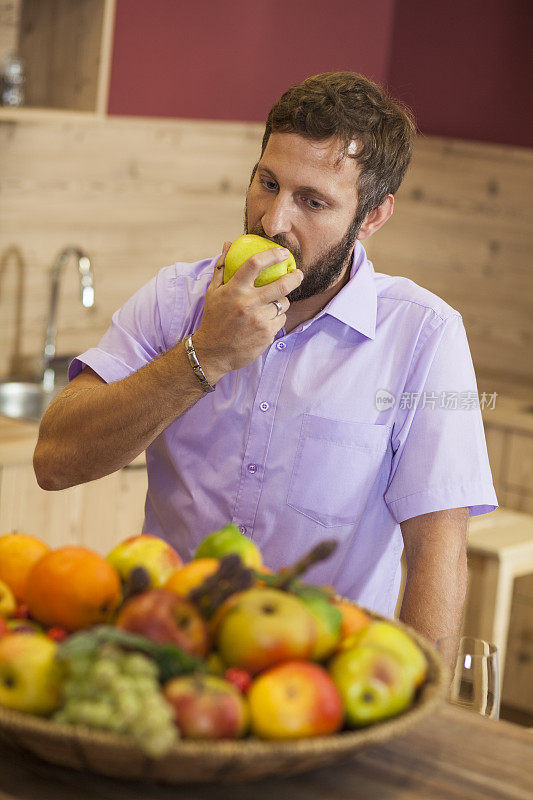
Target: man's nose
277,217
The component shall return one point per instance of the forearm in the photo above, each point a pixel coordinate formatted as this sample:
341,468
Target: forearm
90,432
435,591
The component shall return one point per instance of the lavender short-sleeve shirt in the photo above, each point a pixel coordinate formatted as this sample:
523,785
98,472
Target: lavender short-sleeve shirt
355,421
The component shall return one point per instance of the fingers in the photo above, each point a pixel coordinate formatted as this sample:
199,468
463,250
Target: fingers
281,287
218,274
253,266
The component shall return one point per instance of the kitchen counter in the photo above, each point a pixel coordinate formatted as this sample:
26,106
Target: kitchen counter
18,437
451,754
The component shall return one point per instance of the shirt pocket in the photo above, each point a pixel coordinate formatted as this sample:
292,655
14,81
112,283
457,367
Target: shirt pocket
335,467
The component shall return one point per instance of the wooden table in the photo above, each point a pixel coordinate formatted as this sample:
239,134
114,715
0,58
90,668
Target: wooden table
452,755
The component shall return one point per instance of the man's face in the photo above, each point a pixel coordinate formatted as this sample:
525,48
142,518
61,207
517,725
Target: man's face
302,199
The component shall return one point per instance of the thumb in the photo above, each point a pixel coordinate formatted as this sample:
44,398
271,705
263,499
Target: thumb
218,274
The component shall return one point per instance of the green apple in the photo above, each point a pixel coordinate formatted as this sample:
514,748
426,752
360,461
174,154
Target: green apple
389,637
158,558
328,621
227,540
30,676
374,684
260,627
245,246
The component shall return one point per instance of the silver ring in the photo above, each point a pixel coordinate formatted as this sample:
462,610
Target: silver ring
279,307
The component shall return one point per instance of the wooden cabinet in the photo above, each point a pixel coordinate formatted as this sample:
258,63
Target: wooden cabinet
98,514
518,684
66,46
509,435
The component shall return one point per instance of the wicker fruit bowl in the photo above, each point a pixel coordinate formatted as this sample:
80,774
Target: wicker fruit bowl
223,761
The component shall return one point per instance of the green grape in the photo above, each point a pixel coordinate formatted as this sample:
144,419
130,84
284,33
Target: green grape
140,666
117,691
104,672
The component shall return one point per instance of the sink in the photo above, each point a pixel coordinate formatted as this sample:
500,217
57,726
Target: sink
21,400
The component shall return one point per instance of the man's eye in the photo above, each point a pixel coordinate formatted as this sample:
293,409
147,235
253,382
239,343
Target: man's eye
270,185
315,205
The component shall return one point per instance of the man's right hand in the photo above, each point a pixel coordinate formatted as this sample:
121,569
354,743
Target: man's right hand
240,320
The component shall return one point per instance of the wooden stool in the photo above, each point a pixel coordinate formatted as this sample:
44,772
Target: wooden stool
500,549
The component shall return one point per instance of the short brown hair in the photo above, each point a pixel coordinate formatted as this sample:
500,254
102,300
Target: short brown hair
353,108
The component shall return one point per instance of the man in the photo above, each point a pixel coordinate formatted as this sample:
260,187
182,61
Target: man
323,403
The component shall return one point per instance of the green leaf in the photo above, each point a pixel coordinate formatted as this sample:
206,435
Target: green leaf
170,658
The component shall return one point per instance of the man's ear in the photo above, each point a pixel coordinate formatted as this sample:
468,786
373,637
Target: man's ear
376,218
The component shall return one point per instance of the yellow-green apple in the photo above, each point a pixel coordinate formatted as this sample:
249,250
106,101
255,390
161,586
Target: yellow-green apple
374,684
165,617
389,637
227,540
207,707
157,557
30,676
294,699
245,246
259,627
328,621
24,626
8,603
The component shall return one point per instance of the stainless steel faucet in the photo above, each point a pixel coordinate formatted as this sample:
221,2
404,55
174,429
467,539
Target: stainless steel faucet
87,301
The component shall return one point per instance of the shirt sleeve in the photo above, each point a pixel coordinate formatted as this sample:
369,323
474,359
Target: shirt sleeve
137,332
440,458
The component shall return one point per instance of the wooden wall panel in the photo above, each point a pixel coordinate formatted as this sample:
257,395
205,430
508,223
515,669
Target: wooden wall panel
9,26
139,194
135,195
463,228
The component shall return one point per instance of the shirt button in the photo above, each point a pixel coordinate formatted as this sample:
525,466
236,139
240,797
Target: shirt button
264,406
242,528
252,468
281,345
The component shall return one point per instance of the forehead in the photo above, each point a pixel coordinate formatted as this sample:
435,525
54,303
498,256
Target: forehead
303,161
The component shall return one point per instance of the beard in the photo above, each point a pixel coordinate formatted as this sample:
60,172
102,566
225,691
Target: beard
325,270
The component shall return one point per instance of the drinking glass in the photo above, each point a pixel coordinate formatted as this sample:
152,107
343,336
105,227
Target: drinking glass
476,680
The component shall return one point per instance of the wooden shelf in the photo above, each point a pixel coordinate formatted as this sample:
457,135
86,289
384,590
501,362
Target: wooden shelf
66,47
26,114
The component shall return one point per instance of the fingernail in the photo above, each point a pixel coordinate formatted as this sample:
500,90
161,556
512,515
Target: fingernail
284,253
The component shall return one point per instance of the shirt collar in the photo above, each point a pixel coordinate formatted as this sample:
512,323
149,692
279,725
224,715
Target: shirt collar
356,303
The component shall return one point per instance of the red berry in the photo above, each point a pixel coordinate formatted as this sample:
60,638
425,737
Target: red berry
57,634
239,678
22,612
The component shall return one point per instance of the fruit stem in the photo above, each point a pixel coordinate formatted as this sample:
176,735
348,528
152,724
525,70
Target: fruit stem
285,578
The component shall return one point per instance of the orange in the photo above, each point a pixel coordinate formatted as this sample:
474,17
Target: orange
353,618
18,554
191,575
73,587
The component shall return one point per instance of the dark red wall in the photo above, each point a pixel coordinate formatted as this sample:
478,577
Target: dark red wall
232,59
464,69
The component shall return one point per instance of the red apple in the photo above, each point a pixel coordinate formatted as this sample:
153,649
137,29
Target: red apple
165,617
207,707
295,699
